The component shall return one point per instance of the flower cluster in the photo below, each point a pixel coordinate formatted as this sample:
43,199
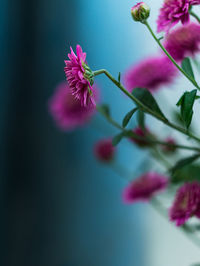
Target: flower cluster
74,103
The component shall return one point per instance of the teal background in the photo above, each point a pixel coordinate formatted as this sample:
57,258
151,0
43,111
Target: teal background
58,205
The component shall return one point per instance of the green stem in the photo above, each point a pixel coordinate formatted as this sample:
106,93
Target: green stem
143,107
147,139
170,57
194,15
161,158
109,119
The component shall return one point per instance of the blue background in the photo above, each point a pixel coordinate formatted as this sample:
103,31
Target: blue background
58,205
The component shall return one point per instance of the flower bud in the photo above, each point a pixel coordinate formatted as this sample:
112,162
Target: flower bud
141,137
170,148
140,12
104,150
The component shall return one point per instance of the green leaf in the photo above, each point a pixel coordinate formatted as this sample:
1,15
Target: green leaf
128,117
116,140
160,38
186,174
119,77
187,67
146,98
141,119
186,103
197,97
183,162
104,110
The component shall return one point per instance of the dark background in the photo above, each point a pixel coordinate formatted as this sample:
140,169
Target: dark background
58,205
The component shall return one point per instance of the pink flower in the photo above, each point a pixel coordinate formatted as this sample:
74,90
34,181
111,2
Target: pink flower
169,149
186,203
141,133
174,11
104,150
80,77
144,187
183,41
151,73
67,111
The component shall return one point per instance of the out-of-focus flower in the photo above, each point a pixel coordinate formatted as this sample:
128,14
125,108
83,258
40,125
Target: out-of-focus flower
66,110
142,135
80,77
174,11
144,187
140,12
169,149
186,203
104,150
183,41
151,73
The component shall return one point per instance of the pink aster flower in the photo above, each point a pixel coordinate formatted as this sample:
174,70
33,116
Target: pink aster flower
80,77
151,73
67,111
183,41
104,150
186,203
174,11
144,187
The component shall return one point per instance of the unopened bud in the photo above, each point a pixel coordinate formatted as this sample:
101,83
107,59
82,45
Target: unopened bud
140,12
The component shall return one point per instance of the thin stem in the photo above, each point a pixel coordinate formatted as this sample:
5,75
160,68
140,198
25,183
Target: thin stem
161,158
170,145
194,15
155,203
110,120
171,58
147,139
143,107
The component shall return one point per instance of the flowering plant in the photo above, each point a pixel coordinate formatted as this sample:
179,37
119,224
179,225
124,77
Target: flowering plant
76,101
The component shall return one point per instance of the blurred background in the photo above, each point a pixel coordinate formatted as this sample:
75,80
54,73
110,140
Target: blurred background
59,206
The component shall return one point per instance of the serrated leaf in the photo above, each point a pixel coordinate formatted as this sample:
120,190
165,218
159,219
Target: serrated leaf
104,110
116,140
141,119
187,67
128,116
184,162
186,103
146,98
